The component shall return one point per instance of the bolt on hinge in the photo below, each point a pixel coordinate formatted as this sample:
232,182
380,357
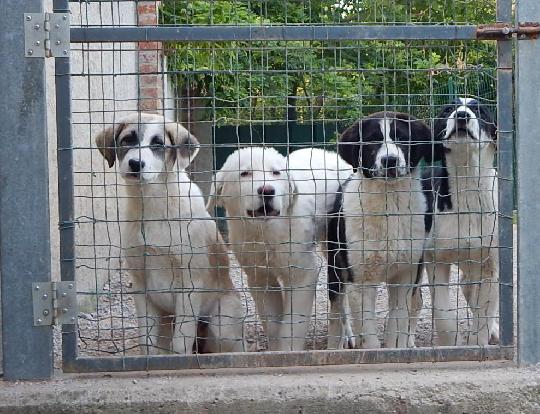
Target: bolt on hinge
55,303
503,31
46,35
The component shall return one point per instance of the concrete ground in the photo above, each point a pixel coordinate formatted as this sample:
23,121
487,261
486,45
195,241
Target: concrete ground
488,387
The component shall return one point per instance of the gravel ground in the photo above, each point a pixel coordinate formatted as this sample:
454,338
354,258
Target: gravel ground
111,329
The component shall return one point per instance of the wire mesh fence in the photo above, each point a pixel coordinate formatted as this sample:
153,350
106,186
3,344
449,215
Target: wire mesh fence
353,182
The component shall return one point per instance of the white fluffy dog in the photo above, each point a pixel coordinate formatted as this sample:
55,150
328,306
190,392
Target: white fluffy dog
173,251
276,209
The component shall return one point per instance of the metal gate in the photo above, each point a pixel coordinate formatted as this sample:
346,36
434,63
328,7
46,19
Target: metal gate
363,29
344,37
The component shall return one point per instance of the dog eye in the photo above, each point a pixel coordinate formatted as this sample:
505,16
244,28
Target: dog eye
245,173
156,142
276,173
130,139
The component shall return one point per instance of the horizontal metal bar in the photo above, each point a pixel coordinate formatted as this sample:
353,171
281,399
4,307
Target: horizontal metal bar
285,359
265,33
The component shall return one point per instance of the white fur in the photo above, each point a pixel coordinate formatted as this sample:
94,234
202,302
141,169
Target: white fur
467,236
278,253
389,149
473,124
385,234
174,254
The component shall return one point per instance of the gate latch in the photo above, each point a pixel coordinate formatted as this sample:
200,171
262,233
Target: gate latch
46,34
55,303
502,31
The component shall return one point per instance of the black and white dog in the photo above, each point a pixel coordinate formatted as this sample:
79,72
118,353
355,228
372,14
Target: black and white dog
378,229
464,229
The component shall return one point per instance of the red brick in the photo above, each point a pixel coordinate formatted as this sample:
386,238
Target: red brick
150,45
147,19
150,80
148,56
150,92
148,67
148,105
146,7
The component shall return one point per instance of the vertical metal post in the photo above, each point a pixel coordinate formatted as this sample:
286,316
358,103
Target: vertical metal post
505,122
65,186
24,199
528,154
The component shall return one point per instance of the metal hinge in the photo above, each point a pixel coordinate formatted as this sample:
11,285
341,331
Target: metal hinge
54,303
502,31
46,34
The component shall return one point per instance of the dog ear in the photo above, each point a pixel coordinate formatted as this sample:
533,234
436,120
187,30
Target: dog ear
424,146
106,142
216,189
435,153
491,127
186,144
439,128
349,145
293,191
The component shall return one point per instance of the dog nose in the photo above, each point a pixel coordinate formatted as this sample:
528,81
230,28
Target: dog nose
389,162
463,115
136,165
266,191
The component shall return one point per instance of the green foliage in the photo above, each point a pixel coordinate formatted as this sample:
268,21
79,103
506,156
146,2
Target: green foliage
240,82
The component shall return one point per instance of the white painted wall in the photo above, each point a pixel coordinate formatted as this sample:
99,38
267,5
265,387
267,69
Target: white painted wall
104,84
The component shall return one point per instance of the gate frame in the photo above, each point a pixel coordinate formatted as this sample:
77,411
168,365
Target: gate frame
528,152
28,355
73,363
25,253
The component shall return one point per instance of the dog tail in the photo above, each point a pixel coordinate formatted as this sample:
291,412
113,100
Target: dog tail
338,261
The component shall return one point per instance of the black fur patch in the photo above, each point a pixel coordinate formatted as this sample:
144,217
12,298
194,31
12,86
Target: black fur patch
339,270
188,147
359,144
435,186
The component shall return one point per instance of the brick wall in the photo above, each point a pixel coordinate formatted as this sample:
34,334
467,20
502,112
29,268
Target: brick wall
151,82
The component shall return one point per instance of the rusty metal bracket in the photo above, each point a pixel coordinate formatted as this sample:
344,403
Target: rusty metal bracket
504,31
528,30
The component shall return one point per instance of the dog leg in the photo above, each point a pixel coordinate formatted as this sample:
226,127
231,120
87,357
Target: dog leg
149,319
185,322
347,331
226,325
297,305
340,333
483,301
165,333
446,321
362,299
416,308
398,325
268,297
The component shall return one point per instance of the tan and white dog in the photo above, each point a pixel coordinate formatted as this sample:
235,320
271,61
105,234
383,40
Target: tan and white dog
276,213
171,246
